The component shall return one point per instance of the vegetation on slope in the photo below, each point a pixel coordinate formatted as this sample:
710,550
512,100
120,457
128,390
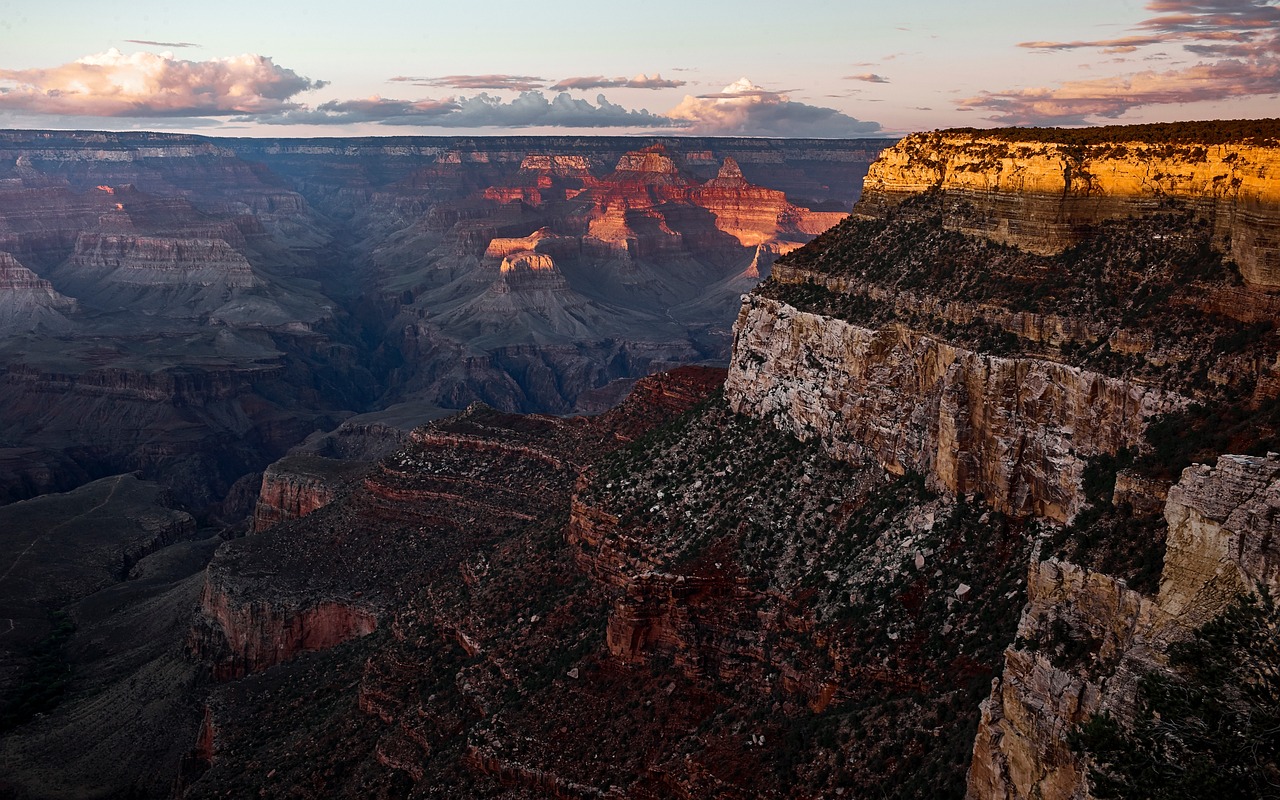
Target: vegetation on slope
907,599
1207,132
1134,290
1207,728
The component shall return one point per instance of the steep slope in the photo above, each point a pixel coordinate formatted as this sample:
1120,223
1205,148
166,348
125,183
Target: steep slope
1058,326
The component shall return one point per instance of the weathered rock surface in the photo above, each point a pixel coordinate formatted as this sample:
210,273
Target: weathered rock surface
1016,430
1085,639
296,485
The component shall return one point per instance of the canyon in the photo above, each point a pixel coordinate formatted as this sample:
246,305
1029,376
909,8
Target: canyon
191,308
989,454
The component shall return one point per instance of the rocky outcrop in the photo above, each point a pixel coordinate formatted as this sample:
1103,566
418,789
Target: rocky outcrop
297,485
1222,528
1043,196
29,303
236,636
1085,639
1016,430
151,260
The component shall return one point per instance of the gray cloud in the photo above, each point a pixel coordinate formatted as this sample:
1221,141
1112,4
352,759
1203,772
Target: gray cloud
867,77
530,109
518,83
150,43
641,81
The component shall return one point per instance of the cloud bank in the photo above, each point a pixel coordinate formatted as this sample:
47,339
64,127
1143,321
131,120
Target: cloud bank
744,109
530,109
254,89
112,84
640,81
1239,40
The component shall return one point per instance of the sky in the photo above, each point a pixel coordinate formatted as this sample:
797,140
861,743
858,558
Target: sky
680,67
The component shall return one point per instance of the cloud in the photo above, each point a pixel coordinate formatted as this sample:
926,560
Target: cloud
530,109
867,77
745,109
1073,102
1129,42
518,83
150,43
640,81
1239,38
112,84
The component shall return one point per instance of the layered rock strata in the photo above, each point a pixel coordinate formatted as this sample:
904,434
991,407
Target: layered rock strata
28,303
1043,196
1016,430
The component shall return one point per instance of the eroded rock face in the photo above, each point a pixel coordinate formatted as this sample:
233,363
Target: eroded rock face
1041,196
297,485
1016,430
1086,639
239,636
29,303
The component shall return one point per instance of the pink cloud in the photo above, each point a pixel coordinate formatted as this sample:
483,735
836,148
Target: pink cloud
1071,103
867,77
1243,35
112,84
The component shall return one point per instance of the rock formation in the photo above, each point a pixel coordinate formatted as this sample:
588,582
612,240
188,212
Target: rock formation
1085,639
1041,196
1017,431
29,304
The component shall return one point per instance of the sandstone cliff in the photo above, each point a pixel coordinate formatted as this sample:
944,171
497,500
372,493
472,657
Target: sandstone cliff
299,484
1042,196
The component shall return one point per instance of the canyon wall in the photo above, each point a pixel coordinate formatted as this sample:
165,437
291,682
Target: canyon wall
1086,639
903,337
1016,430
1043,196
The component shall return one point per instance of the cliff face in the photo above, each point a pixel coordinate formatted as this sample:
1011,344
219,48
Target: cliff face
1085,638
1043,196
1016,430
297,485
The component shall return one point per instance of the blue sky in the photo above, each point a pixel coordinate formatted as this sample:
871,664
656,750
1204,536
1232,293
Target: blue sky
790,68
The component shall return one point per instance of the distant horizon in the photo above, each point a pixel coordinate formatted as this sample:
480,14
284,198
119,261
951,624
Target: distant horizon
516,134
809,70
